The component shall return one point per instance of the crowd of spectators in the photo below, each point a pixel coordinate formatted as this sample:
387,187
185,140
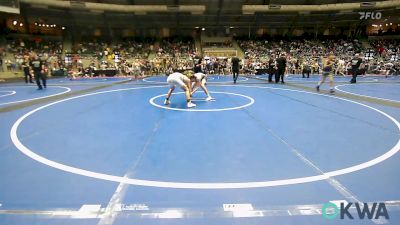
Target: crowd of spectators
129,48
386,57
215,65
132,57
148,57
173,54
18,51
300,54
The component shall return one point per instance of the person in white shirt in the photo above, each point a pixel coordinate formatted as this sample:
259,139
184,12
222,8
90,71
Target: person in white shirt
201,81
182,81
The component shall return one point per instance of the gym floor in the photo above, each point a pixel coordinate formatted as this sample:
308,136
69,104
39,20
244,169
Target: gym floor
107,151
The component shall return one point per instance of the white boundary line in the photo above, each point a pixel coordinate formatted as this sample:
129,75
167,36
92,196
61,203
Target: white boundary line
11,93
94,82
240,78
47,96
150,81
203,110
163,184
352,93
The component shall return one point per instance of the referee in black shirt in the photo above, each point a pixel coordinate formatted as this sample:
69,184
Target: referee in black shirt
235,68
38,69
281,67
355,67
197,64
27,74
271,68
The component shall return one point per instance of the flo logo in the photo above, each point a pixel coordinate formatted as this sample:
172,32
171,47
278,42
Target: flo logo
370,15
364,210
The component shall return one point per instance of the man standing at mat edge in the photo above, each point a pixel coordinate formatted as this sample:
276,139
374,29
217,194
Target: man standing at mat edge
27,72
355,67
38,70
271,67
235,68
281,67
197,64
